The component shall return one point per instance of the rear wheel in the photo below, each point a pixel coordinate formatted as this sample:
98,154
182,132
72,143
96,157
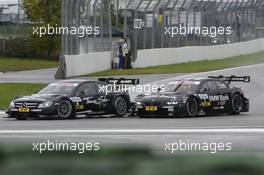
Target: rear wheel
121,106
236,105
192,107
65,110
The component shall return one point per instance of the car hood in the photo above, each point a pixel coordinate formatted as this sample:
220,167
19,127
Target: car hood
163,98
38,98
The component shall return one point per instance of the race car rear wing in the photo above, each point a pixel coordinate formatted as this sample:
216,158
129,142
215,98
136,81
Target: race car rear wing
120,81
232,78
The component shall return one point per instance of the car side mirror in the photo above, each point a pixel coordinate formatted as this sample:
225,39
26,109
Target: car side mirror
159,89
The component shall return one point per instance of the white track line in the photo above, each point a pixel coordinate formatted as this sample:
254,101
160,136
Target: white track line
136,131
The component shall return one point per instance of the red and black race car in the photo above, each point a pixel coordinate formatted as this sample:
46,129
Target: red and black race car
68,98
194,97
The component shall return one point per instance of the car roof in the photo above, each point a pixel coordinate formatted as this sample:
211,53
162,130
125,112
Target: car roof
79,81
195,79
201,79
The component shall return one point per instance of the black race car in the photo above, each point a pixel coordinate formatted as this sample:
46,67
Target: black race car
194,97
67,98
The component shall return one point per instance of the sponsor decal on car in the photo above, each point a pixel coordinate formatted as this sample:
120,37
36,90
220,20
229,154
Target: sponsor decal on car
213,98
90,100
79,106
206,104
75,99
203,96
151,108
24,110
222,103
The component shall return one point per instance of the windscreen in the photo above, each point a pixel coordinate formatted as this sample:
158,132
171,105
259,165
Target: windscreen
182,86
59,88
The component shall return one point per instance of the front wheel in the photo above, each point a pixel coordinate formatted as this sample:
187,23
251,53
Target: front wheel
236,105
121,106
65,110
192,107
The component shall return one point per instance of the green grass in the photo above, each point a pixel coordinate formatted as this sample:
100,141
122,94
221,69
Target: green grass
126,161
190,67
9,90
16,64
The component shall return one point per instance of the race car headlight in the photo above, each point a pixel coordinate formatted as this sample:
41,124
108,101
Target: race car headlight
12,104
45,104
172,103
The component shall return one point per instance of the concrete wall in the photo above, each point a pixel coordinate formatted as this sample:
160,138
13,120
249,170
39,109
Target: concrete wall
164,56
77,65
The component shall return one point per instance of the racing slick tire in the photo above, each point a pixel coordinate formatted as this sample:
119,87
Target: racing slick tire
192,107
65,110
236,104
120,106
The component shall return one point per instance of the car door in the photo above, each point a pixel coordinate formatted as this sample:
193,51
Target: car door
208,94
224,93
88,92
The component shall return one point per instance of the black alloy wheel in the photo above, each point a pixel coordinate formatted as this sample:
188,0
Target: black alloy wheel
120,106
65,109
192,107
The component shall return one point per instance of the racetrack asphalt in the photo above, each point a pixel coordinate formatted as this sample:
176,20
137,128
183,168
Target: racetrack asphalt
47,76
245,132
29,76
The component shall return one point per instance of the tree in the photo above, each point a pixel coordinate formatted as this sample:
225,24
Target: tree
44,13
